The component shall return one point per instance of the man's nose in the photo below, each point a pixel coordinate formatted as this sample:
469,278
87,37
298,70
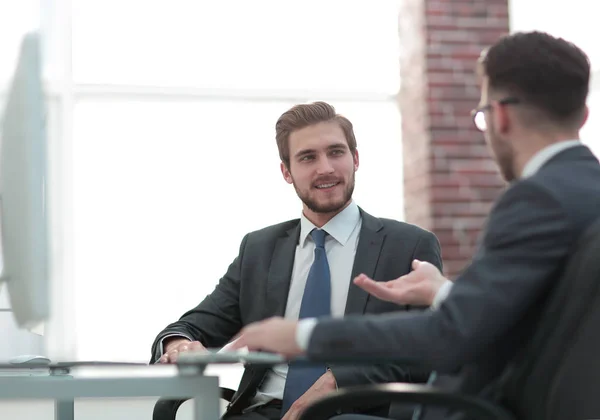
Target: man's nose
325,166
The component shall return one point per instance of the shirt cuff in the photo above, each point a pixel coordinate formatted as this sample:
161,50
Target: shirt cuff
161,349
441,294
304,332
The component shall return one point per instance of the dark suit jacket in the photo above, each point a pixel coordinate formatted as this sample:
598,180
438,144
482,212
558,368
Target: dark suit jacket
493,305
256,286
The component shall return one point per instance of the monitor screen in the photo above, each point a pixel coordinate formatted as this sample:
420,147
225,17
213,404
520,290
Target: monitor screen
23,203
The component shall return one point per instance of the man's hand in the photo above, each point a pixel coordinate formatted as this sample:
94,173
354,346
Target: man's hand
174,346
418,287
324,385
276,335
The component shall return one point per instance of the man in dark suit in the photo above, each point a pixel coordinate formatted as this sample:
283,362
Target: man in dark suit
533,104
303,267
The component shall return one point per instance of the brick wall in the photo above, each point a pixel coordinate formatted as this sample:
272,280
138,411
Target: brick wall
450,180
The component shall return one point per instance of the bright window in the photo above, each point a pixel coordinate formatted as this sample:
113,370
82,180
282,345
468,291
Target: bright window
174,154
575,21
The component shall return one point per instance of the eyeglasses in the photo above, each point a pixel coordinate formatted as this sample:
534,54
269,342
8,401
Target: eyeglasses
478,114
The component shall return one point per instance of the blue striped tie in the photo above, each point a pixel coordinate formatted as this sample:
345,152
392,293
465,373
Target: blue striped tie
316,302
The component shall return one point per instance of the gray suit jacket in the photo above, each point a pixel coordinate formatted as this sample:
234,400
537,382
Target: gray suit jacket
257,283
492,307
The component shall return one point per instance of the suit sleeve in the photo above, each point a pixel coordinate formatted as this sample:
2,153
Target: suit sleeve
427,249
526,245
217,318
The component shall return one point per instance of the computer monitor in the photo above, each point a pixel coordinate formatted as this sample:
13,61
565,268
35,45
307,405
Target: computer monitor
23,201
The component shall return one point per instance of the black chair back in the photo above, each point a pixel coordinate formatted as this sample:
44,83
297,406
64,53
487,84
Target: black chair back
557,375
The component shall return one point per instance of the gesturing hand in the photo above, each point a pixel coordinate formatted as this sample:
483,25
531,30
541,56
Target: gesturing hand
418,287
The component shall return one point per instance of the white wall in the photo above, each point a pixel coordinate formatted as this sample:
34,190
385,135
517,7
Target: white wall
576,21
573,20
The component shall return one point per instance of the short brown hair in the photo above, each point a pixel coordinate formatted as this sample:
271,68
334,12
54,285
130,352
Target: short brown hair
304,115
546,72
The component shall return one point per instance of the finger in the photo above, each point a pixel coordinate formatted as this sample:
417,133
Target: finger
416,264
365,283
293,413
378,289
164,359
237,336
361,277
173,356
411,277
196,346
252,345
238,343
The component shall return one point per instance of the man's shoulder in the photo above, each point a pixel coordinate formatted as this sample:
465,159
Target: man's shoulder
273,231
573,185
575,168
566,182
403,227
395,227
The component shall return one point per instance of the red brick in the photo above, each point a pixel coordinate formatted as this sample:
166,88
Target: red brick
450,180
462,151
455,184
465,23
461,209
443,224
456,135
458,253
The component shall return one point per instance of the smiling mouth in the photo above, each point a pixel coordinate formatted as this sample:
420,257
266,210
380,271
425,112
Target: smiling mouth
326,185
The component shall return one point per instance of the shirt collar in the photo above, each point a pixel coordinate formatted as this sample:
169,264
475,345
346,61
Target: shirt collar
541,157
340,227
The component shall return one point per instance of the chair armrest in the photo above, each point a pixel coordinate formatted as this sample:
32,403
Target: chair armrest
166,409
326,407
227,394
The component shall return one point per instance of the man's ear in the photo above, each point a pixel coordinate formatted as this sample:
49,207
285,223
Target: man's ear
286,173
501,117
586,114
355,160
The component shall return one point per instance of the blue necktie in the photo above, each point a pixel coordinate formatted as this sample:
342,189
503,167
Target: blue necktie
316,302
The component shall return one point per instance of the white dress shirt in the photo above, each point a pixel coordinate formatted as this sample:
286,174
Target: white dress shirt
541,157
306,326
340,246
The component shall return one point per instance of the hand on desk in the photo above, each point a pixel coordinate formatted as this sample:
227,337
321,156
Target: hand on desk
175,346
418,287
276,335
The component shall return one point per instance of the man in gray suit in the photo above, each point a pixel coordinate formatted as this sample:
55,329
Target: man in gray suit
276,271
533,104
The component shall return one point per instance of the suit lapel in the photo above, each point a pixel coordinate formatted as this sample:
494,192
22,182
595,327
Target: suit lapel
370,242
280,272
278,286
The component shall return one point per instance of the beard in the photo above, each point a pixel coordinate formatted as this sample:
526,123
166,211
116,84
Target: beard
328,206
505,164
503,154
